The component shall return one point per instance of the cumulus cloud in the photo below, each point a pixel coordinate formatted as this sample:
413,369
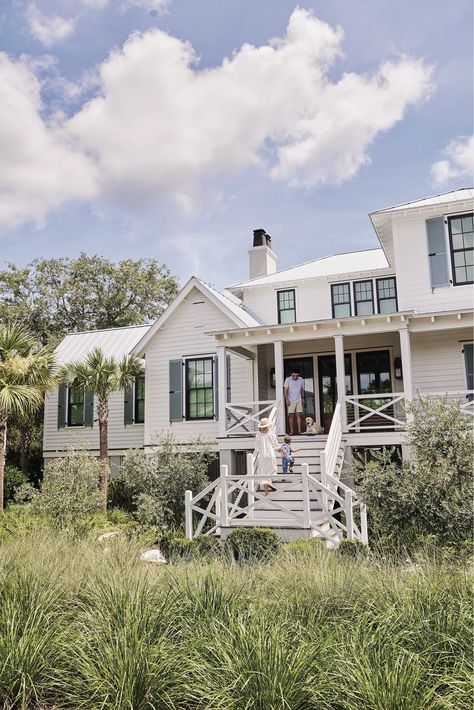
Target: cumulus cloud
457,163
48,29
162,128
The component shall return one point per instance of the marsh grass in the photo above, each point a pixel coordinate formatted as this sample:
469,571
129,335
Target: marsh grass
86,625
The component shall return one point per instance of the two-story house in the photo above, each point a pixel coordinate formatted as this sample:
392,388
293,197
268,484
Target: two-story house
367,330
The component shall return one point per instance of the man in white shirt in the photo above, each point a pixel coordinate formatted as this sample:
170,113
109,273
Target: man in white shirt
293,388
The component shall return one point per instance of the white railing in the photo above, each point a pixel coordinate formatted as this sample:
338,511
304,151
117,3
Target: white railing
464,397
233,501
243,417
332,456
379,410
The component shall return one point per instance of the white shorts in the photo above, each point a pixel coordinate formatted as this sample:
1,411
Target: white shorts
295,406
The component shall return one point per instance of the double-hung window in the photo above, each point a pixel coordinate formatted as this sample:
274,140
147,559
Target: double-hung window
461,240
341,300
363,298
387,295
286,306
75,405
139,400
200,388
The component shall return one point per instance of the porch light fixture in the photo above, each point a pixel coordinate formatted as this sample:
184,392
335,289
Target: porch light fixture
397,366
272,377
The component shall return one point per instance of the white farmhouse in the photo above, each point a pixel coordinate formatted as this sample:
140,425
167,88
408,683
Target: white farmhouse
367,330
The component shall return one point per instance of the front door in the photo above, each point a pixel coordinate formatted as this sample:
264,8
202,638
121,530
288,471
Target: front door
303,365
328,386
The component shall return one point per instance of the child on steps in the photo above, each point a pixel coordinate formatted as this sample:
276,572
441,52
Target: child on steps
287,458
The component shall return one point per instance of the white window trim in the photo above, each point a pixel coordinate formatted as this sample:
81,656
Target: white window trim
199,356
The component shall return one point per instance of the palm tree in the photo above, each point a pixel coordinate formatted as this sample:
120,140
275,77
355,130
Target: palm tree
26,371
101,376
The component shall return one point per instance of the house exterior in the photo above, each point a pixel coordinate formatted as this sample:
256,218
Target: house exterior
369,331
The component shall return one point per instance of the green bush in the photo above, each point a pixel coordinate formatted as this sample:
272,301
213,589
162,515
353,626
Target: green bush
252,544
352,549
121,494
207,546
13,479
174,546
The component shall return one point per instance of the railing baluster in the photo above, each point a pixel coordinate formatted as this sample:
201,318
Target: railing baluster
188,514
363,524
349,514
224,496
306,498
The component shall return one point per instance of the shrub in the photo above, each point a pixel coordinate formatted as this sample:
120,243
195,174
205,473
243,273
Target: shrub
252,544
353,549
13,479
121,494
174,546
207,546
70,488
160,479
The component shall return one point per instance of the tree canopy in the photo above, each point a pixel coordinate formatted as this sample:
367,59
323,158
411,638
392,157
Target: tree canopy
51,297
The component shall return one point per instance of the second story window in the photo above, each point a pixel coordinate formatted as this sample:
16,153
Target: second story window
139,400
461,239
200,388
341,300
363,298
286,306
75,405
387,295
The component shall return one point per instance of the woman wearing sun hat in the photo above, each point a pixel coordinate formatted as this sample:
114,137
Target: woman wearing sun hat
266,446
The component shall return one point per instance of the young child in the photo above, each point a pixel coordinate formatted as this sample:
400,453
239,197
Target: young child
287,458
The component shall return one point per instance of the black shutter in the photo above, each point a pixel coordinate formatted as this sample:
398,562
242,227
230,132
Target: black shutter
176,390
228,374
216,388
437,253
62,406
88,408
128,406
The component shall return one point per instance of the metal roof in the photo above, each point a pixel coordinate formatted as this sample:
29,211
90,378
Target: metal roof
334,265
464,193
113,341
234,305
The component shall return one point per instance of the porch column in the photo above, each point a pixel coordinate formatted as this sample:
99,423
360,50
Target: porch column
222,388
341,378
405,350
280,422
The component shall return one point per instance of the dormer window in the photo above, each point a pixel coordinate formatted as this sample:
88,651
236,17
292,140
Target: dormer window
286,304
461,240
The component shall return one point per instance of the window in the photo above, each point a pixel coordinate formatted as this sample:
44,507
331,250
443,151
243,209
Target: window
363,298
468,352
139,400
75,405
341,300
461,239
199,389
286,306
387,295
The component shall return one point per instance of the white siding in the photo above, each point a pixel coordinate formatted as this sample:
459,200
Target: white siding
438,362
179,337
120,436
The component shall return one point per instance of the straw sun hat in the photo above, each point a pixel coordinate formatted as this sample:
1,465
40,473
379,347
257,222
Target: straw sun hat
264,423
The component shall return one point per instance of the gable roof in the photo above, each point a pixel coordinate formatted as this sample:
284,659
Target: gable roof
112,341
225,301
333,265
462,194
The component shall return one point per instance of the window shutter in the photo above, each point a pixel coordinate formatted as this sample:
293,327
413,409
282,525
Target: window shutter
437,253
176,390
62,406
469,364
88,408
228,378
128,406
216,388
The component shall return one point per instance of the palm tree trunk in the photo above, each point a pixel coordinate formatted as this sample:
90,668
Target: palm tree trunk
25,448
3,442
103,415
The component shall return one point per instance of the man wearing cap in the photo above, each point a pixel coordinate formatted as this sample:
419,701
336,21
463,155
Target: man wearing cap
293,388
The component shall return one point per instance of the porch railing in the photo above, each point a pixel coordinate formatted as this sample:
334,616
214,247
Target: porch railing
464,397
243,417
382,411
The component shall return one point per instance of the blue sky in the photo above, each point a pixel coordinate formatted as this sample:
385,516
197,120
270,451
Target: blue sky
172,129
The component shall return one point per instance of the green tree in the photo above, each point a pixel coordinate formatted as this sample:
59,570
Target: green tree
52,297
26,371
103,375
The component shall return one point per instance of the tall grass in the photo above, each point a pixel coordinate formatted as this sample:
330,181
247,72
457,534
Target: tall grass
87,625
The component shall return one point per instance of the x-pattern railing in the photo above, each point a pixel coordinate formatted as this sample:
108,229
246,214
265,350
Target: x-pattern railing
243,417
376,410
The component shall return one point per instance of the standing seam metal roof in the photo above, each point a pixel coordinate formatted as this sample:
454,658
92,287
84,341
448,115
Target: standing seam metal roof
113,341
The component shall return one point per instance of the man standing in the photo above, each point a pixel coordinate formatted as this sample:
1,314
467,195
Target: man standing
293,388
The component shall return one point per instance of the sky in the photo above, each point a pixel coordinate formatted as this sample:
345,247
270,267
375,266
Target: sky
171,129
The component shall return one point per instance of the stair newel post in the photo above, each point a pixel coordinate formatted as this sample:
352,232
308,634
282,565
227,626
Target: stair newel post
188,496
251,483
324,481
306,500
224,496
363,524
349,514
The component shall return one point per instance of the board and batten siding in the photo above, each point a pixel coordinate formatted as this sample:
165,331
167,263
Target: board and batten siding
183,336
121,436
438,361
413,271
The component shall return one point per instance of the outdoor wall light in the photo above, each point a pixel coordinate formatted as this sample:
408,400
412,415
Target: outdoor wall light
397,366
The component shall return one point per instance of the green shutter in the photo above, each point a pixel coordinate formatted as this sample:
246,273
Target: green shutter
62,406
216,388
128,406
176,390
469,365
437,253
228,374
88,408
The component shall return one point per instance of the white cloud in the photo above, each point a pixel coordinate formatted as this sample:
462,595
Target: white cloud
458,163
38,170
48,29
162,128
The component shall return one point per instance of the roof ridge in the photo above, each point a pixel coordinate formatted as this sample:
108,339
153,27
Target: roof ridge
206,283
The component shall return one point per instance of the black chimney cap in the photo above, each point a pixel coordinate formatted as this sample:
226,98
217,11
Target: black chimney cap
261,238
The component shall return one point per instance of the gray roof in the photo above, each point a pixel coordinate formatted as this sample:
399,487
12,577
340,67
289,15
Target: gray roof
113,341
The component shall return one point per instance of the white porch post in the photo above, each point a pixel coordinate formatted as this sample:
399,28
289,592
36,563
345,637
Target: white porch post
405,350
341,378
222,387
278,348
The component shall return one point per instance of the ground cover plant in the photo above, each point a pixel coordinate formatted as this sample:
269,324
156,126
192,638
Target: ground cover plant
85,624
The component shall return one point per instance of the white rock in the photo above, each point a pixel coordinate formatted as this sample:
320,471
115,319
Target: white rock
154,556
106,536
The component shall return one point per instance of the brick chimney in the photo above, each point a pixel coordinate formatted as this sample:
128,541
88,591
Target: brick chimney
262,260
